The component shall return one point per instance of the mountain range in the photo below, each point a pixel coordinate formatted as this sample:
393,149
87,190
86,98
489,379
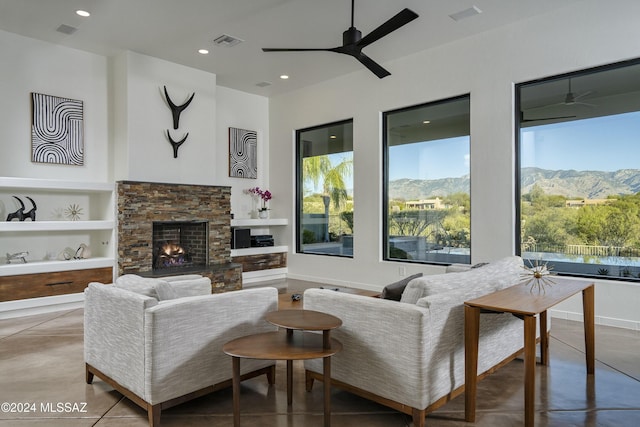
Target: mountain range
568,183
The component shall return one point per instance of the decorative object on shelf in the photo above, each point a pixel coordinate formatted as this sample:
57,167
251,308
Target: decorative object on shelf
73,212
67,254
537,275
176,110
20,214
57,130
265,195
243,153
83,252
18,256
176,144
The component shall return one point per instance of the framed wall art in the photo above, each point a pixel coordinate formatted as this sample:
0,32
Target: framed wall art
243,153
57,130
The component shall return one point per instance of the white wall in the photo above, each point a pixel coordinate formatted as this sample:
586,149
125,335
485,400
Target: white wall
244,111
486,66
142,131
29,65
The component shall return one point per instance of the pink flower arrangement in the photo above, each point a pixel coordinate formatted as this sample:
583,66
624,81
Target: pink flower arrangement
265,195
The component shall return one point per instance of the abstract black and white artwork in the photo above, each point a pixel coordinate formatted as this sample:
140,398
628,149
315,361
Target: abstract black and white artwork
57,134
243,149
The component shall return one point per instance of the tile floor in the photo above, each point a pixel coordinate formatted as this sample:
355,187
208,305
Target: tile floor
41,363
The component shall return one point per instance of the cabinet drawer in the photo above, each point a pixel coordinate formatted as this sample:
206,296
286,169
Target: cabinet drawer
262,262
48,284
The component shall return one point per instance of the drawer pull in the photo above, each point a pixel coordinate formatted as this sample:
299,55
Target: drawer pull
60,283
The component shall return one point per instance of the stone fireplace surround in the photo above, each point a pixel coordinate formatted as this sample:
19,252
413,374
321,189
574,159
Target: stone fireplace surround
142,203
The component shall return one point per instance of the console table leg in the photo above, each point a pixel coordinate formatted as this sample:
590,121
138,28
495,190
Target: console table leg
326,362
471,333
529,369
236,391
588,297
544,340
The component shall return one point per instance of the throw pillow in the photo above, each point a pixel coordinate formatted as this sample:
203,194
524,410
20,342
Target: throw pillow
155,288
394,291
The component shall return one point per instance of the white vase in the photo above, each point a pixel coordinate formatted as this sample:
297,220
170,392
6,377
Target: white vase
263,214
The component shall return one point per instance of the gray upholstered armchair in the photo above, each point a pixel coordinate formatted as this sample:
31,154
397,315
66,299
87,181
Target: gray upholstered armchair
162,353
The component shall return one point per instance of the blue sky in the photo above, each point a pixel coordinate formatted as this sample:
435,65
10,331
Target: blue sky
445,158
605,143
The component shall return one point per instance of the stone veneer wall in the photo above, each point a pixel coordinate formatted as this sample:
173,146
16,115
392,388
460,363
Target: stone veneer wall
142,203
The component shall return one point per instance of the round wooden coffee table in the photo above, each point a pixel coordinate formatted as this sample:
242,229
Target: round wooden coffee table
291,344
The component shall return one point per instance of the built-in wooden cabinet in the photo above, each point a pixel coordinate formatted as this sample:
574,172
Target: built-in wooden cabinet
55,231
262,263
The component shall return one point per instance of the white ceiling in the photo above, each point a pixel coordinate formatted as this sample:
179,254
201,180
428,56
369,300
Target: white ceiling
174,30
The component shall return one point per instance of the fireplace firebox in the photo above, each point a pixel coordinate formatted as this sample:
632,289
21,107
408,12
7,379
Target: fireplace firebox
180,245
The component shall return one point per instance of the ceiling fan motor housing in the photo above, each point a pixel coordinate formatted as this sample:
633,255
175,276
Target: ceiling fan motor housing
351,36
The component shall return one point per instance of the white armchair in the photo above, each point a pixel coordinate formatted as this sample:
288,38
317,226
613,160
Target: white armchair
160,354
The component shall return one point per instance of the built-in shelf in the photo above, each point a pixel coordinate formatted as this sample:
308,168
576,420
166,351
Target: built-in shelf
33,267
259,251
29,225
259,222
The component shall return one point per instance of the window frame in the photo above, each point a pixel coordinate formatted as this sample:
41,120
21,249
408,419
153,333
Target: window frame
385,178
518,119
299,202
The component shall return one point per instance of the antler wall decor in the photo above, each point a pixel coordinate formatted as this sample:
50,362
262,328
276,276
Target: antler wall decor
177,109
176,144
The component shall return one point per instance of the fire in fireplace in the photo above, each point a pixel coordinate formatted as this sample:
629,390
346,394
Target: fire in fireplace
180,244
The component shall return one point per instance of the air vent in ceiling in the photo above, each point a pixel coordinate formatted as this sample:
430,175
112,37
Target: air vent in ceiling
227,41
466,13
264,84
66,29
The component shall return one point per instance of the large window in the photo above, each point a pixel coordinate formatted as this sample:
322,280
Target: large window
325,189
578,140
426,183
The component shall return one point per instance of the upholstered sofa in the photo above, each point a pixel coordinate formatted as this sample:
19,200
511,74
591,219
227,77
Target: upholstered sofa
159,346
409,354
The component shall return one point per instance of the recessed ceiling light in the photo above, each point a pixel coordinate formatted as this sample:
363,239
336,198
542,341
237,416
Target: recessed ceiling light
284,77
83,13
426,122
203,51
332,136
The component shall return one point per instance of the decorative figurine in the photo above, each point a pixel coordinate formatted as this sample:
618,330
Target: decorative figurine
20,214
537,275
18,256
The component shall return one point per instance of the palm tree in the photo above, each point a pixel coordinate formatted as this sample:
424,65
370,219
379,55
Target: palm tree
333,178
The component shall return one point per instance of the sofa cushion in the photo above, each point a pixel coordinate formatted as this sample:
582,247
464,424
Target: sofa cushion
155,288
394,291
494,276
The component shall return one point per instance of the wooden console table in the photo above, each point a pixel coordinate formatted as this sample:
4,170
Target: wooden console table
520,301
294,344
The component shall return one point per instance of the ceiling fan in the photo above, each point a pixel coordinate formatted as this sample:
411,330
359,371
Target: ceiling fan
353,42
570,99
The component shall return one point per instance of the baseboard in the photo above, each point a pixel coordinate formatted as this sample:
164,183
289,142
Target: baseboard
31,306
599,320
331,282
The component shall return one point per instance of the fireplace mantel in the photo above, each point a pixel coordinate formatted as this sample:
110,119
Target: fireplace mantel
142,203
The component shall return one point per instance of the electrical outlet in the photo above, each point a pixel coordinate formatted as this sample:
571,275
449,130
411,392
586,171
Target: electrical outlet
402,271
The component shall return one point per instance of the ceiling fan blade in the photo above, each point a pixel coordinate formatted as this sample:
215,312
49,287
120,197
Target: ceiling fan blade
372,65
401,18
269,49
